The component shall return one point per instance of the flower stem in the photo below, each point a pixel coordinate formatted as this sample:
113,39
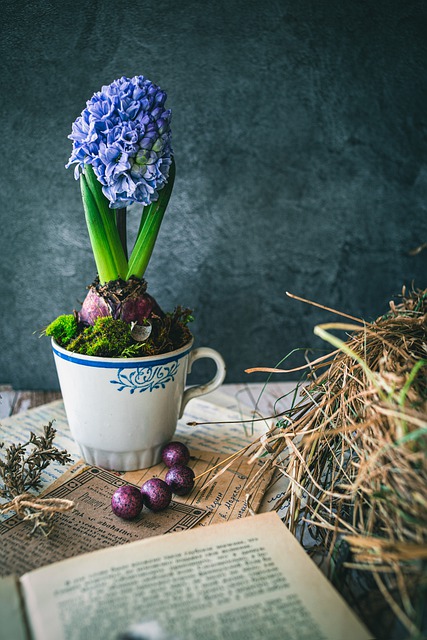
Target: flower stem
113,243
150,225
121,219
104,260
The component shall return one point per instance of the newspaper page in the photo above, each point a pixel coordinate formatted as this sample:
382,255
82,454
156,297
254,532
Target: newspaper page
91,525
221,493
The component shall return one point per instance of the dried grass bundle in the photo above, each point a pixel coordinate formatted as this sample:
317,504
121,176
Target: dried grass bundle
354,452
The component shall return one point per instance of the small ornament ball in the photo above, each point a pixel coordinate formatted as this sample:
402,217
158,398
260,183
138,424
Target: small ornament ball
156,494
175,453
127,502
180,478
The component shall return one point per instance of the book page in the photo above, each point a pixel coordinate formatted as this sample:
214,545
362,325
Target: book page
12,625
246,578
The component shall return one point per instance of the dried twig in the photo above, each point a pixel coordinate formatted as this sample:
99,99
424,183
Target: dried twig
21,471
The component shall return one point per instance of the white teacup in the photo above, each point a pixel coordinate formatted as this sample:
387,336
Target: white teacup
122,411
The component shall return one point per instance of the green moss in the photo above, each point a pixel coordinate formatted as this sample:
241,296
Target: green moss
111,338
108,338
169,333
63,329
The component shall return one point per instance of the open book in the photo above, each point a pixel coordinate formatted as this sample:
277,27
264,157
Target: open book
244,579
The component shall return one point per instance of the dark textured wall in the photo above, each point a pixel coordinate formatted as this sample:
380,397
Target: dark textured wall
299,130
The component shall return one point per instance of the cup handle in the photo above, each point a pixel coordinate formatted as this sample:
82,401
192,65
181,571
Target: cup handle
217,380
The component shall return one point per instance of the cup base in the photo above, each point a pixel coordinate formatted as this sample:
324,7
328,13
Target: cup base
121,460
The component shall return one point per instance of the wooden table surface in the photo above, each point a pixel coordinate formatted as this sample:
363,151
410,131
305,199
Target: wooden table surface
12,402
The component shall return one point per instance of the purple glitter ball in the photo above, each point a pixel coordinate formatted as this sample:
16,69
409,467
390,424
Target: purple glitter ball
175,453
180,478
127,502
156,494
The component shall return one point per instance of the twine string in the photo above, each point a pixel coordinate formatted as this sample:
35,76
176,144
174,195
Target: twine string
25,501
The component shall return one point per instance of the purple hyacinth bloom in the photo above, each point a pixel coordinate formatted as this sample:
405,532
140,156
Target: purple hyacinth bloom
124,133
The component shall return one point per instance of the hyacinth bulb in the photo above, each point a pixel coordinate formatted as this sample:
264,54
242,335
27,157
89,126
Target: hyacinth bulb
137,309
127,301
94,306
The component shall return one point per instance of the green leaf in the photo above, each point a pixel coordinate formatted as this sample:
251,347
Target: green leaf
104,260
150,224
109,223
404,391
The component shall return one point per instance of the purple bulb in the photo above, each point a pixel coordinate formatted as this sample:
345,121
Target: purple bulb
156,494
175,453
180,478
126,502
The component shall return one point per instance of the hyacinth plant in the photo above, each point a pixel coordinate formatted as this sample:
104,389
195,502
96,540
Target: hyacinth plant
123,156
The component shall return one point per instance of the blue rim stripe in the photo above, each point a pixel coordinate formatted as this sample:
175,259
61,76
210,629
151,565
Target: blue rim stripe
118,365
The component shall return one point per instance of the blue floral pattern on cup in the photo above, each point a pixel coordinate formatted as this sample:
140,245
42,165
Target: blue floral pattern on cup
146,378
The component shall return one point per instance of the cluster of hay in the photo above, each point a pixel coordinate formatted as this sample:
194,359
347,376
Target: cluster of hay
353,449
